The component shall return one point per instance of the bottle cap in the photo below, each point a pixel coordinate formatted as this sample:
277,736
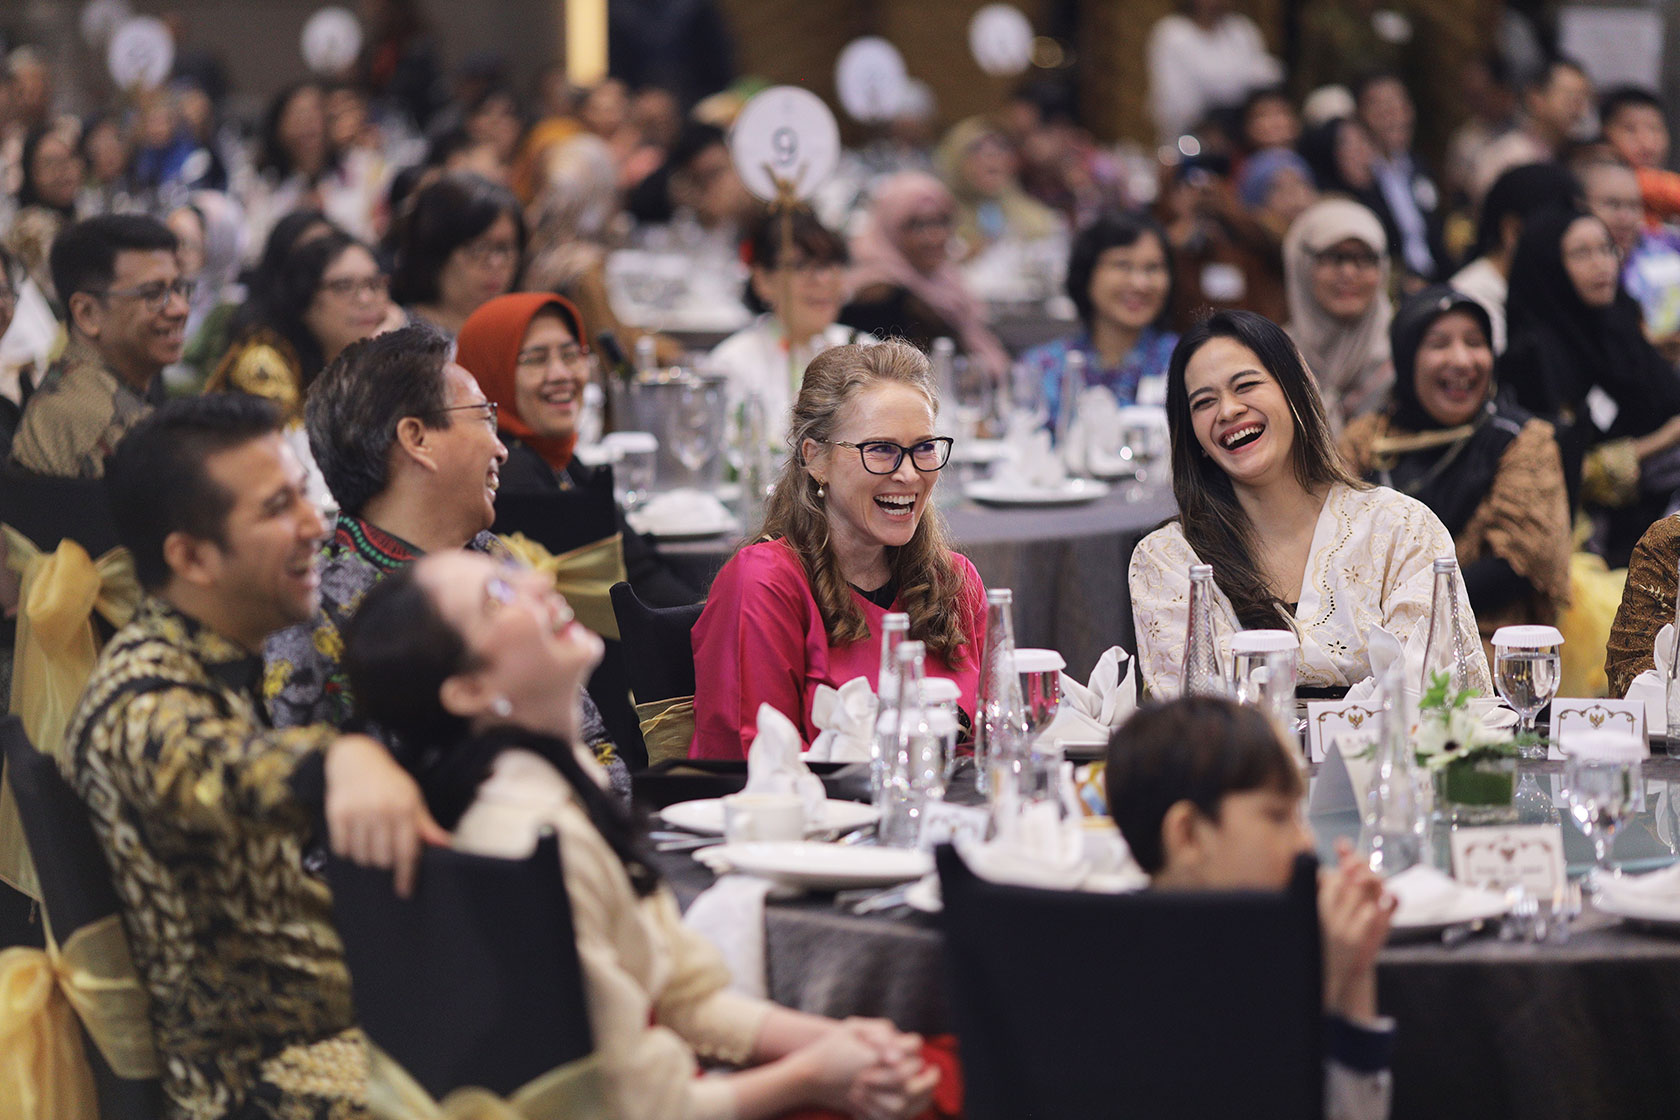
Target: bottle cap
1264,641
999,595
1039,661
1527,637
1446,564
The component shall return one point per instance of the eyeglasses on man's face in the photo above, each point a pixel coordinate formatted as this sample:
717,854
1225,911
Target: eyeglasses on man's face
154,296
881,456
486,411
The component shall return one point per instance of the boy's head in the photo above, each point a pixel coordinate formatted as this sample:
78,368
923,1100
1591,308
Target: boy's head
1633,124
1207,795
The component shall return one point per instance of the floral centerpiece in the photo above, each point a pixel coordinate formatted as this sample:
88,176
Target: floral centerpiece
1474,766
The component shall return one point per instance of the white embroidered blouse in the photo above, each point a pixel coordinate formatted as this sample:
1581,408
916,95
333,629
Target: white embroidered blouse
1370,567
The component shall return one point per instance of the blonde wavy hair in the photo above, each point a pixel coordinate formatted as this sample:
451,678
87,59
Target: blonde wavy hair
929,582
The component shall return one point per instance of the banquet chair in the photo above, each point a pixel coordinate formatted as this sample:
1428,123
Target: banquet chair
661,667
563,522
473,980
81,904
1177,1004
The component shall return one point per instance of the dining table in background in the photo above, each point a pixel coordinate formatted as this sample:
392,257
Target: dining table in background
1487,1029
1066,564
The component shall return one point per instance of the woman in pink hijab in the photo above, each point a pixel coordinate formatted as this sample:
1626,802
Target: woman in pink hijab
903,281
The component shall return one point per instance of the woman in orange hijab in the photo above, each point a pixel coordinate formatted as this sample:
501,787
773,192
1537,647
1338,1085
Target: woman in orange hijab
526,351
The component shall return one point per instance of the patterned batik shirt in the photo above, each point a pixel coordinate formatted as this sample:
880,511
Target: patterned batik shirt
204,812
304,680
77,417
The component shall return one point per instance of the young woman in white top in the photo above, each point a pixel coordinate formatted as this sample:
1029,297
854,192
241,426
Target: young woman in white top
1294,540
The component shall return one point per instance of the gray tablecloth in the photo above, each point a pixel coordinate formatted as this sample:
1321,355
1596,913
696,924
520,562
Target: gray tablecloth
1588,1029
1066,565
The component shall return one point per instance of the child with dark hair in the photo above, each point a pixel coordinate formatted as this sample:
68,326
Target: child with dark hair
1209,798
1633,123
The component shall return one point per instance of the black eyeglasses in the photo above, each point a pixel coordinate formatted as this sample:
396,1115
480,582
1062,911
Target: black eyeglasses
881,456
486,410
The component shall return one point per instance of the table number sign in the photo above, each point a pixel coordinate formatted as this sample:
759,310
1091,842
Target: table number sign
785,139
871,79
1529,856
1578,714
1328,720
945,823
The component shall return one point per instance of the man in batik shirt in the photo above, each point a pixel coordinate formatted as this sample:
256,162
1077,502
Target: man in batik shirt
408,446
205,811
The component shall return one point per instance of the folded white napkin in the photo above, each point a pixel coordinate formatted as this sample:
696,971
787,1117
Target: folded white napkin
1651,686
1090,713
774,765
1093,440
730,914
1425,895
1659,888
682,511
1384,649
847,718
1032,461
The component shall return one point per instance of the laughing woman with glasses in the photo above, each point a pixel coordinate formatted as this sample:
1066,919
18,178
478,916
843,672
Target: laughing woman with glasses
849,534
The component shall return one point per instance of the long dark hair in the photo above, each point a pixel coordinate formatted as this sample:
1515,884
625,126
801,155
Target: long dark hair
1209,514
398,652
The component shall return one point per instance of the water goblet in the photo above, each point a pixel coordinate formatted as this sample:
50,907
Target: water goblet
1526,662
1603,776
1263,670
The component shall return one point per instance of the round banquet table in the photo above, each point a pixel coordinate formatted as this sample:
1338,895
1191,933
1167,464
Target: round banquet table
1486,1029
1066,564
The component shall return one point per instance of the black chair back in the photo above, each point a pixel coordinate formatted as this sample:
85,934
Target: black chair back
472,981
47,510
76,890
1179,1004
659,657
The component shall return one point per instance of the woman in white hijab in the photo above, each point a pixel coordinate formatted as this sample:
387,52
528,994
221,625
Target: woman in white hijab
1335,264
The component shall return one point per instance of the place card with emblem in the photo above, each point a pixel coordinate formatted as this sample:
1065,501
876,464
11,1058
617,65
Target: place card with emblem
1573,713
1500,857
1329,720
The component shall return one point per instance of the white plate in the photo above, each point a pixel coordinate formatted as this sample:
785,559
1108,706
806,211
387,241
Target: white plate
706,816
823,867
692,531
1663,913
1001,492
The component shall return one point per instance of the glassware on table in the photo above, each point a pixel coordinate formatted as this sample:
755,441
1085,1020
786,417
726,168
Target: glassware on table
916,769
1202,673
1041,687
1447,649
635,456
1393,825
1263,670
1000,723
941,697
1026,399
895,629
1068,392
1526,665
1604,780
1143,440
694,424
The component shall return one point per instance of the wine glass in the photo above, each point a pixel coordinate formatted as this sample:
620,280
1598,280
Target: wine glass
1142,436
1263,671
1526,663
1604,778
694,426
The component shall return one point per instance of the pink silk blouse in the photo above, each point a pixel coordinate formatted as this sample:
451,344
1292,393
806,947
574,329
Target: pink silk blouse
761,640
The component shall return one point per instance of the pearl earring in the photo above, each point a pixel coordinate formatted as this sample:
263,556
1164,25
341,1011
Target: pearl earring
502,707
820,491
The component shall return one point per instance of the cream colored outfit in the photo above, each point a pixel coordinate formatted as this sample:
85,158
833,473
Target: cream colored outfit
1370,566
656,990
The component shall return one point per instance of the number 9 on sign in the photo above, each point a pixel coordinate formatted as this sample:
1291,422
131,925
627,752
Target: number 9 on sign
784,133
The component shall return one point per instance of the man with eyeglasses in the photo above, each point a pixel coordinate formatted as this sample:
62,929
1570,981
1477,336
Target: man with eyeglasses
125,306
407,443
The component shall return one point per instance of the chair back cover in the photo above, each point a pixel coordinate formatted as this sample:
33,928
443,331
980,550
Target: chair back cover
657,647
47,510
474,979
1177,1004
76,891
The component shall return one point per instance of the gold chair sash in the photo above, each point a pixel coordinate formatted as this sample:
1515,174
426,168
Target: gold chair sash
572,1092
667,727
54,655
44,1072
583,575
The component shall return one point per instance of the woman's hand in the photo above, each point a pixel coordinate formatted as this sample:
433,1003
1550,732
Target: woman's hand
1355,913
